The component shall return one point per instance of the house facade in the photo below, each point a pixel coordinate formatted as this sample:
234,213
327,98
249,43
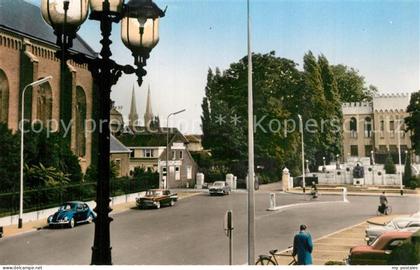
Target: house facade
148,151
375,127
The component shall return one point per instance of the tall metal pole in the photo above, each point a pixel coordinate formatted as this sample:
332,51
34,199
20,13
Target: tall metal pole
21,159
399,155
251,209
303,153
165,183
101,250
22,111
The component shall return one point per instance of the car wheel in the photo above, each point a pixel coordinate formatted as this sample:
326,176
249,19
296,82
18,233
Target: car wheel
71,223
172,203
157,205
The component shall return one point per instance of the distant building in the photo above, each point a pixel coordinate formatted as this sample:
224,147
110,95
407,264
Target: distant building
147,147
375,126
120,155
148,151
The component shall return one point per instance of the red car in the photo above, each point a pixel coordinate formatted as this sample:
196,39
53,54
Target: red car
378,252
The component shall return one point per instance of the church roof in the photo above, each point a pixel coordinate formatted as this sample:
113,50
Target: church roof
25,19
116,146
144,138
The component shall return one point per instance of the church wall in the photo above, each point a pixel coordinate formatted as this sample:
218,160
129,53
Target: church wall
10,64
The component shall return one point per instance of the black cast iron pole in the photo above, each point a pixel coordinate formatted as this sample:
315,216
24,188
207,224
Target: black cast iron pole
101,250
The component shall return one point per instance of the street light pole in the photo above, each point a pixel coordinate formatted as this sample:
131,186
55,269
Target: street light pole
139,33
399,155
251,207
303,153
22,110
165,183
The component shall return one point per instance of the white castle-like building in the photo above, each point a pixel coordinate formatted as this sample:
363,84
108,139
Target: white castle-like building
374,127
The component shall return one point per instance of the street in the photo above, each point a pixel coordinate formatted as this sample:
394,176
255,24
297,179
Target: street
191,232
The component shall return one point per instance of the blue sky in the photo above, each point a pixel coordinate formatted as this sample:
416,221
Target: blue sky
379,38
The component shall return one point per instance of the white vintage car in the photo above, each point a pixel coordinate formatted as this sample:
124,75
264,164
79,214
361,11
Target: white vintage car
410,224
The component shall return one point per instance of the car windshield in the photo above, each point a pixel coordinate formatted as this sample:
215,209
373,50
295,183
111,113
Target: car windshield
218,184
67,207
154,193
401,224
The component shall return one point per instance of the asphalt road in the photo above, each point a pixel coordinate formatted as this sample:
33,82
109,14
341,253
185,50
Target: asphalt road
192,233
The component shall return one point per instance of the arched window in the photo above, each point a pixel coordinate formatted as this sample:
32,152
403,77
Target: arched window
353,127
4,97
80,122
44,103
368,127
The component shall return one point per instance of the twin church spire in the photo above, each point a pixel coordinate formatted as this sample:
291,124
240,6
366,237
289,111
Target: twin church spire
148,115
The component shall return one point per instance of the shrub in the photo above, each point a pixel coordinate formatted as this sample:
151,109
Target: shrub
389,165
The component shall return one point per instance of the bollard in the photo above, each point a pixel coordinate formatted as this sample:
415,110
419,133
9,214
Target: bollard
345,194
272,200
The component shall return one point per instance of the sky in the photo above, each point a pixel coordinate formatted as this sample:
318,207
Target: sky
381,39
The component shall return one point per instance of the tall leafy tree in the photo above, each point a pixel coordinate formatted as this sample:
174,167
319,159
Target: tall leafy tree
413,121
351,85
334,116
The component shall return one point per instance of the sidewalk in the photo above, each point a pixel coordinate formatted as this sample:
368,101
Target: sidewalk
12,230
335,247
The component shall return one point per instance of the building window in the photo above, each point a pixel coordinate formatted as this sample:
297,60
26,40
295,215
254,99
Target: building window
177,173
4,97
117,163
189,172
368,149
368,127
173,154
132,153
392,128
353,127
354,150
393,148
44,103
181,154
382,128
383,149
147,153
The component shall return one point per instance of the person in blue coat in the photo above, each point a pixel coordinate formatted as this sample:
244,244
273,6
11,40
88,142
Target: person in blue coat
302,246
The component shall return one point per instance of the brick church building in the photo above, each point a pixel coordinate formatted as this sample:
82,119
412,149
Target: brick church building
27,54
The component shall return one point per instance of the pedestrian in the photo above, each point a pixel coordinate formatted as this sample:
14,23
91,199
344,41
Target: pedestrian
302,246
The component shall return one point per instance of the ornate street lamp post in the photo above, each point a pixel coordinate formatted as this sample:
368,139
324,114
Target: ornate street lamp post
139,32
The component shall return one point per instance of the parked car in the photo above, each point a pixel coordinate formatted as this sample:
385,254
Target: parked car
380,250
71,213
410,224
157,198
219,188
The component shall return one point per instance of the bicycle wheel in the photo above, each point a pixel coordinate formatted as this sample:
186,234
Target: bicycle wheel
265,261
388,210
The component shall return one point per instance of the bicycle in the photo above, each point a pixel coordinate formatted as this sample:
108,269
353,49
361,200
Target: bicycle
272,260
387,211
312,195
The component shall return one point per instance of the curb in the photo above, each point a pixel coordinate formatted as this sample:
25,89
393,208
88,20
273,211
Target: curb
355,194
124,209
278,208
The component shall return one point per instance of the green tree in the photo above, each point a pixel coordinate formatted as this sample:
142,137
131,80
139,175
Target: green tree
9,159
352,85
333,131
413,121
408,174
389,165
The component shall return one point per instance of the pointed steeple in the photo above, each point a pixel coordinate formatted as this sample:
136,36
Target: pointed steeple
148,115
133,117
